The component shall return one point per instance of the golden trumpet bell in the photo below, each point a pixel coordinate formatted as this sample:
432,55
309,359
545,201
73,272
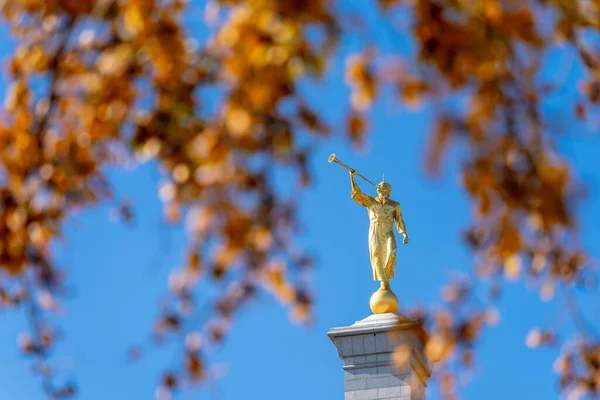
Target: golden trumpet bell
331,157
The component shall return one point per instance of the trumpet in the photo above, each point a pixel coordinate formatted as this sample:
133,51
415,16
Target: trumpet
332,158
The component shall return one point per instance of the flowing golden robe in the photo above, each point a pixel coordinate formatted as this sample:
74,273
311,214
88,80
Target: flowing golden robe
382,243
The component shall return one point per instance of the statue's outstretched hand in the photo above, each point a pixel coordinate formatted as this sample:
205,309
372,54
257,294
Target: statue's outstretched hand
405,241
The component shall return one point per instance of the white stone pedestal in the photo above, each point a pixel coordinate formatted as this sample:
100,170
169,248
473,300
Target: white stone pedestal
367,348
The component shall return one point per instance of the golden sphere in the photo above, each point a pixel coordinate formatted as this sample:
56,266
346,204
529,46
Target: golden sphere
383,301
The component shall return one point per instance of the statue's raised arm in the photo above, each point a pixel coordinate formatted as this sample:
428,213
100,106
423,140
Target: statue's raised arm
357,195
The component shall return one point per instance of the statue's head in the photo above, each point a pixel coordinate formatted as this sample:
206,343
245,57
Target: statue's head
384,190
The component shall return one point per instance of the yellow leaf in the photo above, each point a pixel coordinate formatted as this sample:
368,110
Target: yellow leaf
238,121
512,267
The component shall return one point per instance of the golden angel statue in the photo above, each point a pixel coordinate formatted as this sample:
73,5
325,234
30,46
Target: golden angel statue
383,213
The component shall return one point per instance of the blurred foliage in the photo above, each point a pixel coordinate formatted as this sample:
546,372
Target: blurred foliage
94,83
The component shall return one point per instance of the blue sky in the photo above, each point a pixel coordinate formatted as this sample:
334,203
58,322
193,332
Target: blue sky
118,274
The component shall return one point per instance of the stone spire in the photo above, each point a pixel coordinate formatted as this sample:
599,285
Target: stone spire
383,358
